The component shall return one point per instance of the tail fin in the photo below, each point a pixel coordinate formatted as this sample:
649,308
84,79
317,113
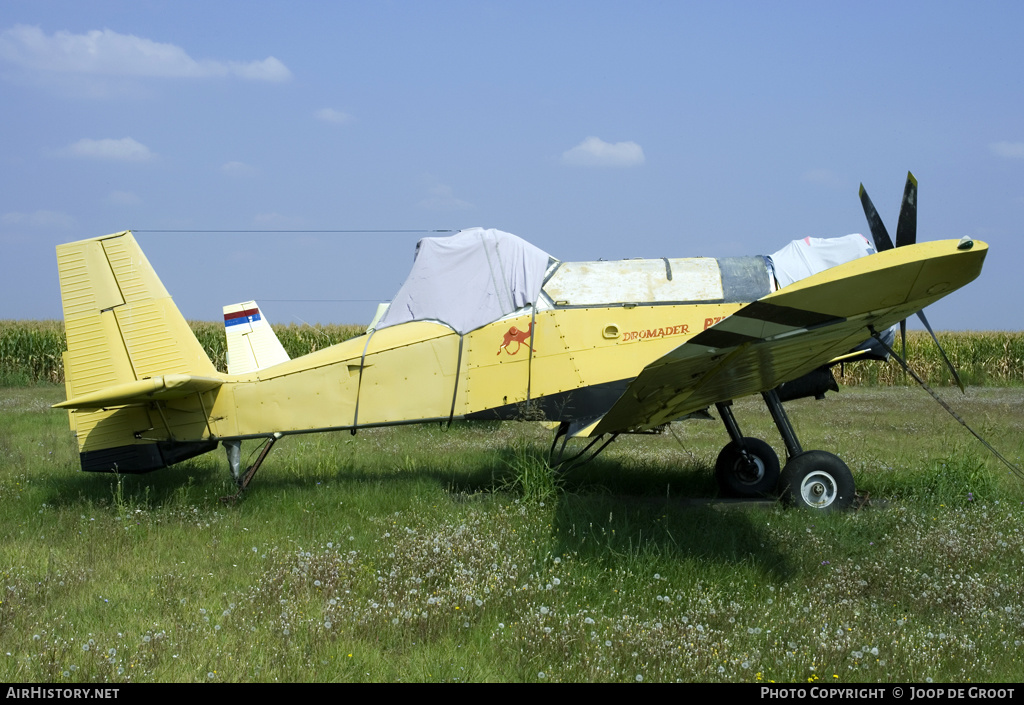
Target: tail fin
252,344
130,348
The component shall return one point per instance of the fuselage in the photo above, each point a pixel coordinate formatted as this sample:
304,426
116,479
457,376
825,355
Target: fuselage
604,347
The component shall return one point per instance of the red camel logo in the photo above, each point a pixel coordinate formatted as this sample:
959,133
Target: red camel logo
519,336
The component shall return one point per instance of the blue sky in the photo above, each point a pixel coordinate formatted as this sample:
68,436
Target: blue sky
592,129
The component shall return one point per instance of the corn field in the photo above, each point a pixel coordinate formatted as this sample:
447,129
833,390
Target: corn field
982,359
30,352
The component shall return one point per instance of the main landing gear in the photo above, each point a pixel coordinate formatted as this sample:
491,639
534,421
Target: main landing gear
748,467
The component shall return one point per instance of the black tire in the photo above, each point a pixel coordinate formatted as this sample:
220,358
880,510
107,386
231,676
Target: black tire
751,472
817,480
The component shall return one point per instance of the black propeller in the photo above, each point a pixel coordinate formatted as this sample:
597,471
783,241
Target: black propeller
882,240
906,228
906,234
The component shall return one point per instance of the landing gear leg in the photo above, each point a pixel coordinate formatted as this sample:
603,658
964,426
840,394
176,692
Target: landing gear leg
771,399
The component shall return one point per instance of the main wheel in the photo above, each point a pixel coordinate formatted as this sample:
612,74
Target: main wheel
752,471
817,480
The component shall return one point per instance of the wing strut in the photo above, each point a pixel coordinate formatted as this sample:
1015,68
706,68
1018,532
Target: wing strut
566,464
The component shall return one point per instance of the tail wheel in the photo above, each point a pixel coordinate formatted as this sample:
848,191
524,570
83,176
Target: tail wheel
817,480
750,471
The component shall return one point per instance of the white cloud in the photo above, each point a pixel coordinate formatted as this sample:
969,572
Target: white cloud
39,219
1010,150
331,115
105,52
441,198
123,150
270,69
239,169
594,151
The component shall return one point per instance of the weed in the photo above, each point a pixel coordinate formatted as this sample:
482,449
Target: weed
532,478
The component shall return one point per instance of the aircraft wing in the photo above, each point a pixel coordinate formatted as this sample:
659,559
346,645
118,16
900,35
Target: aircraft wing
792,331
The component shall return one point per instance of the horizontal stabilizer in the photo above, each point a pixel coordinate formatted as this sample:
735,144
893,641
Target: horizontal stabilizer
160,388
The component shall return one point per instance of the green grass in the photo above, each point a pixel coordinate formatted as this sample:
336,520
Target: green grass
419,554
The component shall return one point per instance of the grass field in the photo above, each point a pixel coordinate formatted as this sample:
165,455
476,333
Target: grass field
419,554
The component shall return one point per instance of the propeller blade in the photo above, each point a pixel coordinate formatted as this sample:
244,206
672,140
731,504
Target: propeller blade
878,232
903,336
906,228
956,377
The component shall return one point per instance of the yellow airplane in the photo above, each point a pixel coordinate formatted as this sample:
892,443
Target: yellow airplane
489,327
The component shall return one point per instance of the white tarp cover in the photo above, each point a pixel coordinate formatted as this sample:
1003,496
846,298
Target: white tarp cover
802,258
469,280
